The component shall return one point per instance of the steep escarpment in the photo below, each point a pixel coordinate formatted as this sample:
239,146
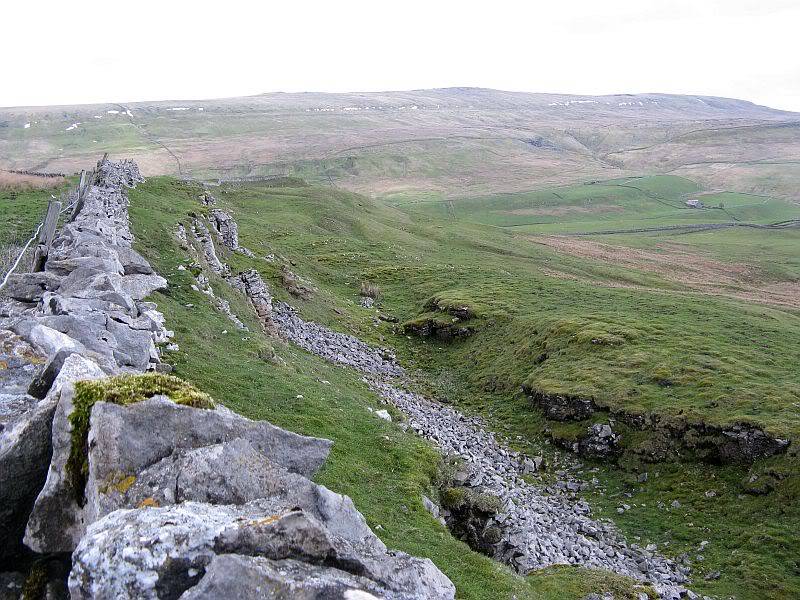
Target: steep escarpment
144,486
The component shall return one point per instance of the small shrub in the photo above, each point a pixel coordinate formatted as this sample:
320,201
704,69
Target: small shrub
370,290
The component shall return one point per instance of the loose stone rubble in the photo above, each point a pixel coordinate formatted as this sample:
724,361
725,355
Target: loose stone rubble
173,499
333,346
539,525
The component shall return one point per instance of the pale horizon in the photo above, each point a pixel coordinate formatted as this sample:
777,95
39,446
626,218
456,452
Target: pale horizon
181,51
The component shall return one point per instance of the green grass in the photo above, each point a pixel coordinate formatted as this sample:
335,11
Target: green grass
728,360
634,202
383,469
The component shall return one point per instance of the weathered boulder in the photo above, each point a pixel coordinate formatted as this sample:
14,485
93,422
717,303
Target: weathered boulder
229,473
24,455
140,287
89,264
600,441
29,287
132,262
162,552
24,439
48,340
245,577
44,379
19,362
124,441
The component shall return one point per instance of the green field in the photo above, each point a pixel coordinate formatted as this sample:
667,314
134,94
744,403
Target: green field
617,204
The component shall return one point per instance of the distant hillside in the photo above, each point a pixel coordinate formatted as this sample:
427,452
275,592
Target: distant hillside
450,142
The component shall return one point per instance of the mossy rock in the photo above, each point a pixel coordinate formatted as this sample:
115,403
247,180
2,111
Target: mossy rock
457,498
442,327
122,390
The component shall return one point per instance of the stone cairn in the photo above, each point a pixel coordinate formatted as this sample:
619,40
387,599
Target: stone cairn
173,500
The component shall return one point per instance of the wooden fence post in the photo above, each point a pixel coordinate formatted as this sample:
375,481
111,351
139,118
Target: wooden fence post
46,235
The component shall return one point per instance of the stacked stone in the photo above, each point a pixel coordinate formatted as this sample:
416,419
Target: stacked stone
253,286
177,500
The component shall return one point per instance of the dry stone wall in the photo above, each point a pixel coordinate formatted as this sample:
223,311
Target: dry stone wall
169,499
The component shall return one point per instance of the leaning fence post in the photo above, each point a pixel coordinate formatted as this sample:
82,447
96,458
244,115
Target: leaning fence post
86,180
46,235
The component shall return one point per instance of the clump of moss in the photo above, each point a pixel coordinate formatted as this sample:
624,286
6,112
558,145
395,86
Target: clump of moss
456,498
122,390
35,584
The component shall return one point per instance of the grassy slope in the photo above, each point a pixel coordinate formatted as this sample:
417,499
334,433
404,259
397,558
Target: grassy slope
382,468
338,239
714,349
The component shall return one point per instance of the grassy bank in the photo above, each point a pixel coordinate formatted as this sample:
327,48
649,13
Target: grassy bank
608,331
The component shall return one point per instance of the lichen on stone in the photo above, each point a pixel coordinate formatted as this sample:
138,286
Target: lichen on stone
122,390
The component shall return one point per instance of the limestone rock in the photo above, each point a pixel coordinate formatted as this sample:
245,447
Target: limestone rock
253,286
29,287
132,262
248,577
125,440
25,450
162,552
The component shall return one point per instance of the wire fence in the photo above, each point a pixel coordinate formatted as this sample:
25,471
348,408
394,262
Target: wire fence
45,231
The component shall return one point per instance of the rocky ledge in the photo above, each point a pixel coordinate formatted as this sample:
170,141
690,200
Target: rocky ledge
672,437
144,485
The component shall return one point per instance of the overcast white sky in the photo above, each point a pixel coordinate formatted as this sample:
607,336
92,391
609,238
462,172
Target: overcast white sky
57,52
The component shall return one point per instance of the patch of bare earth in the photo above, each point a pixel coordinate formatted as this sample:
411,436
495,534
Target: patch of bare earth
677,264
23,181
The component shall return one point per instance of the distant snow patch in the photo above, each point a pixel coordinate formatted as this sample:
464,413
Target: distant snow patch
98,117
571,102
113,112
27,126
73,126
179,108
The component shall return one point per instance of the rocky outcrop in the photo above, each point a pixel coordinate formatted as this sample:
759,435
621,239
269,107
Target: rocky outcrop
203,236
444,329
228,231
253,287
443,320
561,407
671,437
